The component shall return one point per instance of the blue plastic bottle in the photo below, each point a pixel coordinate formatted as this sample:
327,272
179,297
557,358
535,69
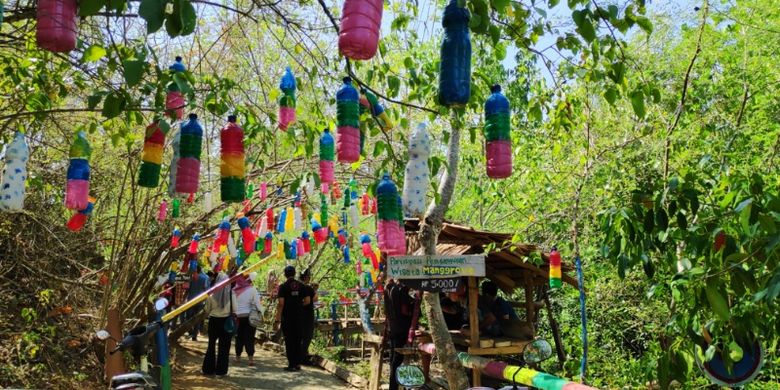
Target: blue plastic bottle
455,68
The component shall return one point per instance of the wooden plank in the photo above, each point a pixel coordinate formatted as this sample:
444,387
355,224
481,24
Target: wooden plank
376,366
344,374
474,324
510,350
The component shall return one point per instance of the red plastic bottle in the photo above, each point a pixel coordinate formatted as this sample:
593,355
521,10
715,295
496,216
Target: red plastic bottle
359,33
57,26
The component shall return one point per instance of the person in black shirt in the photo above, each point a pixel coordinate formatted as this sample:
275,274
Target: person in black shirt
399,306
289,313
310,291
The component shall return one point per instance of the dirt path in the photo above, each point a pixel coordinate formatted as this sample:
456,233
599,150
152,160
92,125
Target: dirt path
268,372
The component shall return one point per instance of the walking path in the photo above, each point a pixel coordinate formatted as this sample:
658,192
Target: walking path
267,373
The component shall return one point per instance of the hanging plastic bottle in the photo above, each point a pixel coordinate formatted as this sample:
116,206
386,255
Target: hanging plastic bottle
455,65
345,248
323,209
326,157
416,177
247,236
162,214
188,166
223,234
207,205
359,32
342,237
174,99
299,245
268,243
348,122
232,170
333,224
57,25
151,159
289,222
390,233
297,219
79,219
175,237
377,110
354,215
282,221
336,190
555,268
261,228
365,205
269,216
77,188
287,250
231,247
263,191
306,242
310,184
368,252
320,233
287,100
176,209
498,142
14,174
250,190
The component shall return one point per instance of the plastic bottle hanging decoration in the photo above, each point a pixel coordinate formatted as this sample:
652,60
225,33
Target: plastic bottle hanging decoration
188,166
77,189
416,177
162,214
368,252
14,174
376,109
232,169
390,232
348,123
176,208
498,142
175,237
455,65
555,268
223,234
268,243
151,159
287,100
247,236
263,191
327,145
359,32
57,25
79,219
174,99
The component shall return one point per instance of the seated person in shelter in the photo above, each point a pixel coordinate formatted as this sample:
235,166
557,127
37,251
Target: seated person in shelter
453,306
497,317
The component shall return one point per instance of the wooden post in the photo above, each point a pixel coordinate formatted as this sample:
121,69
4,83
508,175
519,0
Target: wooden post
474,326
530,310
115,365
375,342
555,331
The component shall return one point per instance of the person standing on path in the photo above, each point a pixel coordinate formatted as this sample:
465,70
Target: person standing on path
198,284
218,351
247,299
289,313
399,305
308,316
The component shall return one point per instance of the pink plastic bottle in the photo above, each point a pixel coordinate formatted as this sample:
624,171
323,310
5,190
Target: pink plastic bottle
57,26
359,33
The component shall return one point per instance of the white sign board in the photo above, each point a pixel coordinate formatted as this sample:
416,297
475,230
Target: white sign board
428,267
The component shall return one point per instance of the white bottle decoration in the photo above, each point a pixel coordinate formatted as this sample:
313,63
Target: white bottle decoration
417,177
14,175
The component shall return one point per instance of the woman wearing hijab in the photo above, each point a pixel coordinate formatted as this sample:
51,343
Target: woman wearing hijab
218,308
247,299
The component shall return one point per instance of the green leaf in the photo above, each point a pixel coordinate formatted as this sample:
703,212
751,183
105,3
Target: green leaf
394,84
611,95
134,70
113,105
500,5
153,12
189,19
717,301
644,23
495,34
93,53
94,100
638,103
584,26
735,351
173,23
90,7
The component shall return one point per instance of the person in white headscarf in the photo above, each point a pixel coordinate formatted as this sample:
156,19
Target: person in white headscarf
247,298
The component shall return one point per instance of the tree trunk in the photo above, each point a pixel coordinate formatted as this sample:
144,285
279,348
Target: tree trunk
429,233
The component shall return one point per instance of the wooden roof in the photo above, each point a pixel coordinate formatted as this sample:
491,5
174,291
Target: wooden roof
505,264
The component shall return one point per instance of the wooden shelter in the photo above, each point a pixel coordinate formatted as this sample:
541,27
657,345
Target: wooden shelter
507,265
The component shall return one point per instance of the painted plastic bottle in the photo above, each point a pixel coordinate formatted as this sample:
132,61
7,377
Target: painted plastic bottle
326,157
455,65
14,175
555,268
287,100
77,189
151,159
57,25
498,142
232,169
359,32
174,99
390,234
376,109
188,166
348,123
417,176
